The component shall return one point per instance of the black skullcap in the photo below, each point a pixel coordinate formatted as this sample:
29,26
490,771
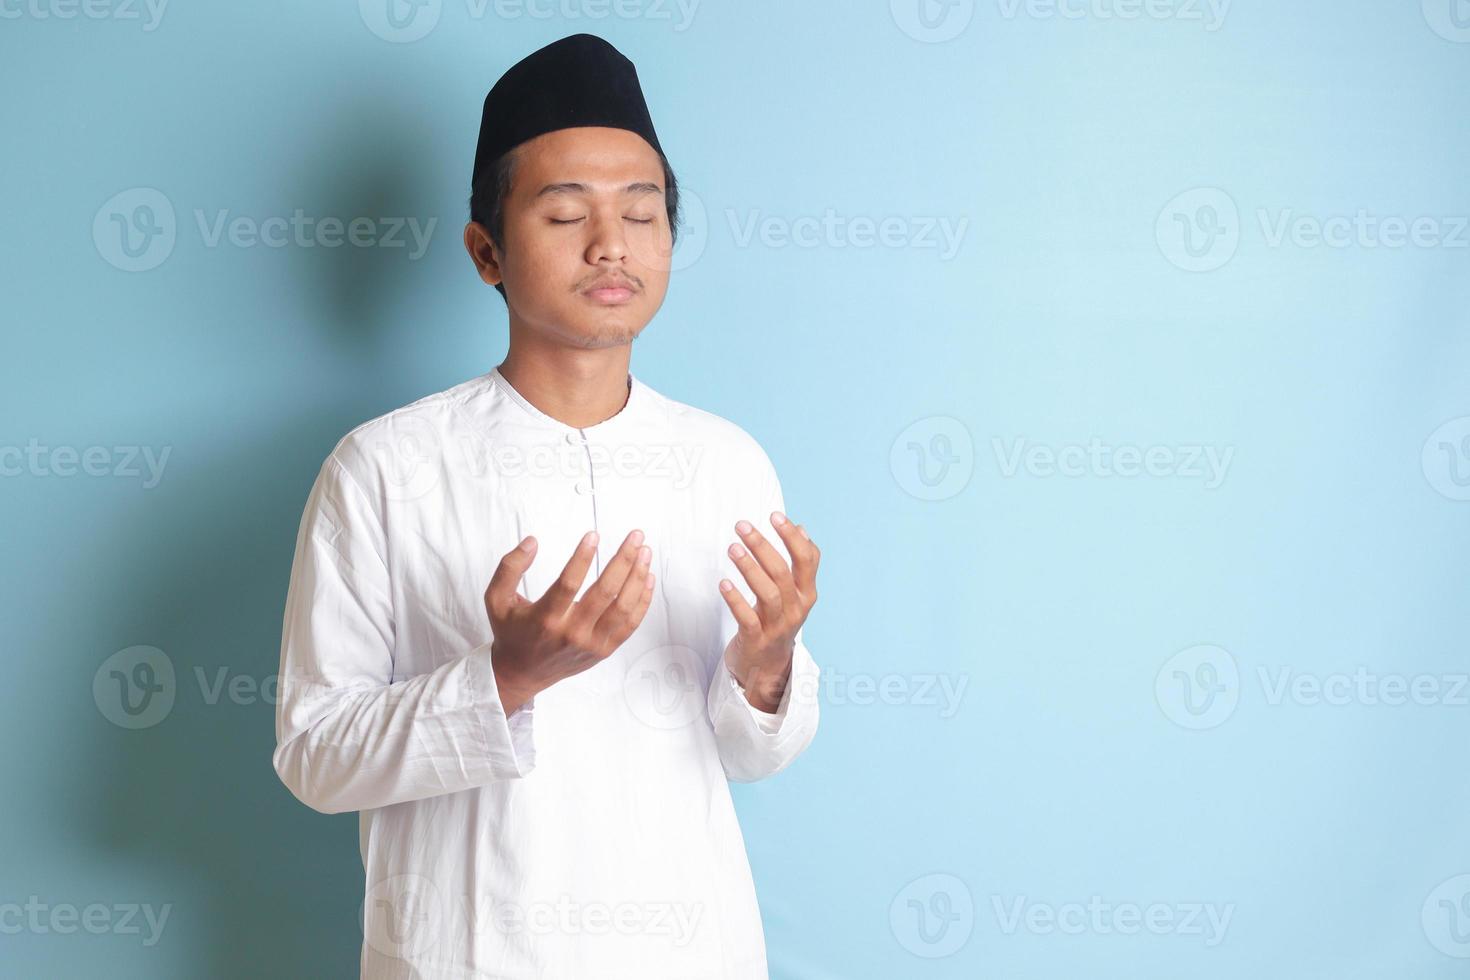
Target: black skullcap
580,80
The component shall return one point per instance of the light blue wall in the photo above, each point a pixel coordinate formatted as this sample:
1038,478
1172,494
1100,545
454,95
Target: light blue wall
1114,187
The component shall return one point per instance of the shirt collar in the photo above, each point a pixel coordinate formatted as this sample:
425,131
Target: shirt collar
638,398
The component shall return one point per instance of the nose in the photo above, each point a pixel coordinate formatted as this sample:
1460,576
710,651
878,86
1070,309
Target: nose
607,242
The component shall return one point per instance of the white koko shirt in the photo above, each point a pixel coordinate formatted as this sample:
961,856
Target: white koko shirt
590,835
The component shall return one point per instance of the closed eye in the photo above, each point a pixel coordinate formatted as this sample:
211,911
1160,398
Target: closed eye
572,221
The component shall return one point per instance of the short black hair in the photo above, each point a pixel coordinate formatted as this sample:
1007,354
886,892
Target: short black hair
487,201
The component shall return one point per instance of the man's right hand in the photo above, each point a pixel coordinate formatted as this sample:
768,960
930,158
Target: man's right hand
539,643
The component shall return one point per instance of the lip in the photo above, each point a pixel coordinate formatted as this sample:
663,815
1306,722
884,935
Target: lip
609,293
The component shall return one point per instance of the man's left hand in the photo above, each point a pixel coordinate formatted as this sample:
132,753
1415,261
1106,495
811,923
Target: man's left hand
759,654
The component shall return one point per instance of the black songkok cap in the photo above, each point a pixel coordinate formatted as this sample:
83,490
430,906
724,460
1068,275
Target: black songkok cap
580,80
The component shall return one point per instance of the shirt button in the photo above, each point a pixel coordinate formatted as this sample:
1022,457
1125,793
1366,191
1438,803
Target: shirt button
573,438
582,486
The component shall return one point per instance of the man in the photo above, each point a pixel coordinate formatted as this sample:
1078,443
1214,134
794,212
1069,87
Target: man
512,638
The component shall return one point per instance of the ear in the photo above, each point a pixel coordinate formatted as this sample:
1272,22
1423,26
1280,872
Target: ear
482,252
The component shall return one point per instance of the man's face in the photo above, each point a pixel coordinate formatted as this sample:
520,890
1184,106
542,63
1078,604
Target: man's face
587,242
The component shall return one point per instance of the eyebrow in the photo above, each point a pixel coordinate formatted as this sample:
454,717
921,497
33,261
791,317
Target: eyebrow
571,187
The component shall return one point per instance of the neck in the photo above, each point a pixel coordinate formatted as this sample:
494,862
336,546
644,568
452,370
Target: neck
576,387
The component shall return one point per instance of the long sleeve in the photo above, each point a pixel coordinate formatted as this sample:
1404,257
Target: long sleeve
349,737
752,743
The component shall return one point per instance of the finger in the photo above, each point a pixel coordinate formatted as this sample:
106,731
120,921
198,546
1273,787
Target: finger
805,555
745,617
601,593
771,562
621,618
500,594
558,597
767,592
640,608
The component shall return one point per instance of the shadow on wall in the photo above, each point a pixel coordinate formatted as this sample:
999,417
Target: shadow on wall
372,167
276,887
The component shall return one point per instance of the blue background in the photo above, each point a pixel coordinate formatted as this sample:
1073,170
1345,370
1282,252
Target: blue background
1071,310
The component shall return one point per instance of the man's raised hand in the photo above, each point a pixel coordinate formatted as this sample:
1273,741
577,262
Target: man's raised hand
539,643
760,653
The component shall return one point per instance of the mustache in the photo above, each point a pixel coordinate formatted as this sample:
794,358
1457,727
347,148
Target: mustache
629,281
